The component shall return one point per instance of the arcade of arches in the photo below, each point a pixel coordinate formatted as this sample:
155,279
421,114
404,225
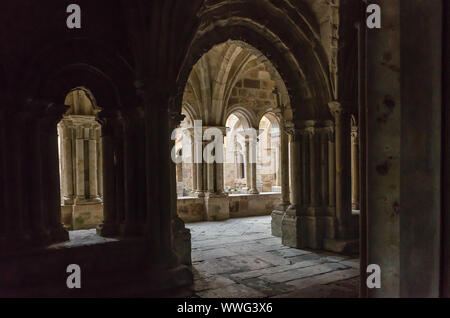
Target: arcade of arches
101,128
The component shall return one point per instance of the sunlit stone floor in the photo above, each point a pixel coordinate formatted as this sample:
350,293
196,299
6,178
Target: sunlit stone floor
240,258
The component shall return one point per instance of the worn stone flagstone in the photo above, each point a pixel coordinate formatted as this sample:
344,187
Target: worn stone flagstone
239,258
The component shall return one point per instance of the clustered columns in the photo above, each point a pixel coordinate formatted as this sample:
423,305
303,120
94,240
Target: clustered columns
81,153
208,172
124,193
346,223
29,169
310,217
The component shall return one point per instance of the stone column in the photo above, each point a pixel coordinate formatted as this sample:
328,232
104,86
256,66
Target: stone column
181,235
79,166
99,162
284,167
331,168
51,164
314,177
198,162
278,213
324,163
130,226
67,162
93,184
109,226
248,172
355,168
193,165
291,226
216,201
346,225
119,167
252,162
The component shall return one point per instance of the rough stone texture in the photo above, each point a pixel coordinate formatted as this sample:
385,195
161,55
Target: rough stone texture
239,258
217,208
87,216
276,223
191,209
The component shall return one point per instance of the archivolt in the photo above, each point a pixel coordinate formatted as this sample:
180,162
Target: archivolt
291,47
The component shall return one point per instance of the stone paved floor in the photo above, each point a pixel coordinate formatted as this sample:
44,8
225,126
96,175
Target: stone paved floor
240,258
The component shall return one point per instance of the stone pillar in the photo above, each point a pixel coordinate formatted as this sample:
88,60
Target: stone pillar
216,201
248,172
198,161
193,165
291,226
278,213
99,162
346,230
404,107
324,163
79,166
355,168
251,142
314,155
343,170
51,169
67,163
331,169
109,226
130,226
181,235
93,184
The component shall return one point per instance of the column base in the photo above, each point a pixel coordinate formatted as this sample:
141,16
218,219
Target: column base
87,216
306,231
199,194
182,241
253,191
277,219
342,246
217,207
67,201
291,229
276,222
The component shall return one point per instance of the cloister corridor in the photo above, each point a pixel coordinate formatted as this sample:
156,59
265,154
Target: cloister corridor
239,258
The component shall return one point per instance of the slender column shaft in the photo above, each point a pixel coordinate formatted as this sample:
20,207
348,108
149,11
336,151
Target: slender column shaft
130,213
284,165
210,177
35,179
343,168
67,166
355,168
324,166
93,184
295,162
312,168
99,164
119,171
331,169
248,173
252,161
109,226
193,167
50,146
79,163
